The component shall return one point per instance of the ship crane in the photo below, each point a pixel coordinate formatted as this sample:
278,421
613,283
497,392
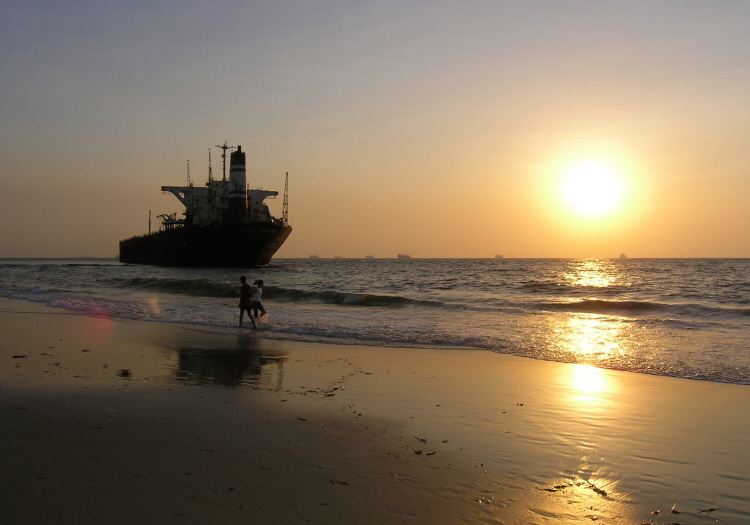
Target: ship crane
285,208
224,149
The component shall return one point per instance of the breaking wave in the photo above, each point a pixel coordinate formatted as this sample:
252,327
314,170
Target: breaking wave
208,288
342,298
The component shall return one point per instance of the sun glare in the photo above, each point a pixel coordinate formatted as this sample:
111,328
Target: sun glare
588,379
591,188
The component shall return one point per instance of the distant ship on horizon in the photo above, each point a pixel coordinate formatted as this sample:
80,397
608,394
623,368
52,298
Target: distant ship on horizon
403,256
224,225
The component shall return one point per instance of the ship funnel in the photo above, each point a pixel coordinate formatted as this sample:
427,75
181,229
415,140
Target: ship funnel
237,187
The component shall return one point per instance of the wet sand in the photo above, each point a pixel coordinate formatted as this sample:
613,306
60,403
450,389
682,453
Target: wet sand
119,422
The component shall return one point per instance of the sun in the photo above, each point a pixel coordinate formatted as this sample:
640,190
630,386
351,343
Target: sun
591,188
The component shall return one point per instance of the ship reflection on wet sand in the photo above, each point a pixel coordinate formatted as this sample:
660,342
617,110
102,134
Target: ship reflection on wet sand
208,365
232,368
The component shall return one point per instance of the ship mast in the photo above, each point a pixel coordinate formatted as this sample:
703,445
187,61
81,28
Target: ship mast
224,149
285,207
210,170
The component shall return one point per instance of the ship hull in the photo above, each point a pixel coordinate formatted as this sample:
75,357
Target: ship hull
221,246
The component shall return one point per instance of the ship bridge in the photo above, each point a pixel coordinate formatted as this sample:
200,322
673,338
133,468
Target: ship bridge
208,205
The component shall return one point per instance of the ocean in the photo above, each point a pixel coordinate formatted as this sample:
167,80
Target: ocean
686,318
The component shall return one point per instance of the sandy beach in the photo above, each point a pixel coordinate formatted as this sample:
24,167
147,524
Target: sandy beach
119,422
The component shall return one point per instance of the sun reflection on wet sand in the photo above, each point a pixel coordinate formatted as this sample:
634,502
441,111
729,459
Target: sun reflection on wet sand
591,393
586,485
588,381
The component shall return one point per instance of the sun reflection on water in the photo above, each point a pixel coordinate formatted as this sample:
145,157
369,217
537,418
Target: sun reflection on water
595,273
590,338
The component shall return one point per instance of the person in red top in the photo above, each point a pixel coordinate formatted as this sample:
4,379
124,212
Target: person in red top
246,300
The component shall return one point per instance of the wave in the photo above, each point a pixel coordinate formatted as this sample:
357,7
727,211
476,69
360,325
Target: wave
208,288
343,298
195,287
563,289
635,308
601,306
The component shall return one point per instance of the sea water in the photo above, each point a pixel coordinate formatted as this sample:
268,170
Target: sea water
686,318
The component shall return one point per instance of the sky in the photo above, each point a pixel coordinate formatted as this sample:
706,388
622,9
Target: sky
435,128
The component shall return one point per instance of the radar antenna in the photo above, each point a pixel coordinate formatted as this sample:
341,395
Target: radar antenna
224,149
285,207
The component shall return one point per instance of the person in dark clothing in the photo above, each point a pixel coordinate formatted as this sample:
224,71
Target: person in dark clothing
246,300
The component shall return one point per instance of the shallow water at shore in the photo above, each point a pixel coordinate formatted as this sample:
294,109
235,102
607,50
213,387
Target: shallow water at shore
679,317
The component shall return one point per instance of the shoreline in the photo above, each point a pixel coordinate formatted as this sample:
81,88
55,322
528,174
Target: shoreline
248,429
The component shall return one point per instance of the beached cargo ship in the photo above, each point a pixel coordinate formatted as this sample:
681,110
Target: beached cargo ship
224,224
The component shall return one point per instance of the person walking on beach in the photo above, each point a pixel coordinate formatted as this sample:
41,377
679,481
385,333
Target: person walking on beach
257,306
246,300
